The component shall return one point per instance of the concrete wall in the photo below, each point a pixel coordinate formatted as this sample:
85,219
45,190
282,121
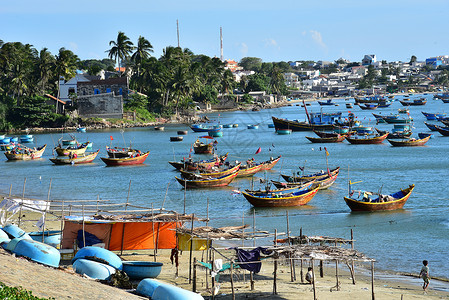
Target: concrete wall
101,105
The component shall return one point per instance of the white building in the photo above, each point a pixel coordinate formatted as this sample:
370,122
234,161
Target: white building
69,87
369,59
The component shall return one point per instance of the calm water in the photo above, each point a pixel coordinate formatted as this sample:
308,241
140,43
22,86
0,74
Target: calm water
399,240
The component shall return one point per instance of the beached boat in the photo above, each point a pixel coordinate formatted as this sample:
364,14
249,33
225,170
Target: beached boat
414,102
157,290
136,159
24,153
75,159
339,138
208,173
38,252
409,142
443,130
363,140
269,164
381,202
203,148
142,269
93,269
191,165
281,200
207,182
100,255
77,149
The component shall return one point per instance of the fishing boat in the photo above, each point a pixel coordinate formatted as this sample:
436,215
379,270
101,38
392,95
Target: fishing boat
415,102
204,128
69,142
443,130
282,200
363,140
432,127
176,138
445,121
271,125
136,159
248,170
408,119
207,182
283,131
253,126
215,133
7,147
269,164
281,190
409,142
182,132
380,203
25,153
314,176
77,149
384,117
27,138
384,104
203,148
339,138
227,125
326,134
368,106
403,110
316,121
81,129
422,135
348,105
118,152
191,165
209,173
361,130
327,102
433,116
75,159
159,128
397,132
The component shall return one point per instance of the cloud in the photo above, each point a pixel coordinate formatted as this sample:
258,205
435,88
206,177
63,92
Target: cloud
318,39
272,43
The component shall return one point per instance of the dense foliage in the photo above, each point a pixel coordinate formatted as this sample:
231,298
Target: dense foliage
16,293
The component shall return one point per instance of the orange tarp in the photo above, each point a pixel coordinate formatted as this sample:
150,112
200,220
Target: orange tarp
140,235
70,232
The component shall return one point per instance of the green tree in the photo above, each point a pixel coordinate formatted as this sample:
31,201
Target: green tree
412,59
66,64
143,50
46,64
121,49
251,63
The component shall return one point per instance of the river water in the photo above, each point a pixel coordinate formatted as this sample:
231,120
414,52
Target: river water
398,240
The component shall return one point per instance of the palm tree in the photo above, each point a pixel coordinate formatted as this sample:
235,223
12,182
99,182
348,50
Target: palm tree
66,63
120,49
143,50
45,64
277,80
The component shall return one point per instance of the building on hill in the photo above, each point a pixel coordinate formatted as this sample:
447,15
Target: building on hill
369,59
232,65
66,88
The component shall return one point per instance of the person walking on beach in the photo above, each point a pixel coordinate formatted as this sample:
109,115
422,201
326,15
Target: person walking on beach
424,274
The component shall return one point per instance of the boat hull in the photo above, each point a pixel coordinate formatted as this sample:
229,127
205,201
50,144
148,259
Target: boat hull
365,141
33,154
299,126
125,161
356,205
207,183
409,143
65,160
93,269
38,252
142,269
283,200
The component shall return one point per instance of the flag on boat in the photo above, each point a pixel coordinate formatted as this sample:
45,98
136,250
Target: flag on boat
258,150
327,153
111,138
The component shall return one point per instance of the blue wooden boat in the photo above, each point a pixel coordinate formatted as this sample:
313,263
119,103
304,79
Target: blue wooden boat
432,127
28,138
363,129
142,269
52,238
100,255
327,102
14,231
422,135
341,130
14,139
271,125
157,290
93,269
227,125
69,142
5,140
81,129
253,126
204,128
283,131
215,133
434,116
38,252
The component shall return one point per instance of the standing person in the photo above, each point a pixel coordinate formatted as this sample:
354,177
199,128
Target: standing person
309,275
424,274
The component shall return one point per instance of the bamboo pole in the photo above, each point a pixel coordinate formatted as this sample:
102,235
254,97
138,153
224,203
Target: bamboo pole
194,275
275,265
21,201
336,275
243,242
313,281
191,249
213,277
301,273
289,243
321,269
10,189
185,191
372,281
165,197
207,240
232,280
98,200
46,209
62,223
352,262
127,198
84,235
152,226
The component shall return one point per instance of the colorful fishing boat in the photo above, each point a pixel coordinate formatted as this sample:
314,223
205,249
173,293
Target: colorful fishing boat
434,116
368,106
363,140
208,173
415,102
317,121
269,164
77,149
337,139
432,127
136,159
380,203
314,176
409,142
203,148
281,190
248,170
75,159
282,200
191,165
118,152
24,153
398,134
207,182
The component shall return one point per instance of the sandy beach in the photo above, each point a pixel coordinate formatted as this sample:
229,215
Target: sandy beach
63,283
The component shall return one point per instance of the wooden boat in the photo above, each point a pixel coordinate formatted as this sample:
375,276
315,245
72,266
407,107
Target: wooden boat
403,110
202,148
77,149
8,147
159,128
445,122
81,129
118,152
281,190
25,153
360,140
384,117
348,105
398,120
326,134
76,159
182,132
192,165
327,102
339,138
327,123
70,142
391,202
215,133
248,170
433,116
209,173
443,130
136,159
422,135
176,138
368,106
282,200
314,176
283,131
208,182
204,128
27,138
269,164
432,127
253,126
395,135
38,252
414,102
142,269
284,185
409,142
326,181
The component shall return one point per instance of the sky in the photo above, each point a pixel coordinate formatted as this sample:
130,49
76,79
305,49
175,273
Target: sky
283,30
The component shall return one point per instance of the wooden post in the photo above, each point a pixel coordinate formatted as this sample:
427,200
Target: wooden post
98,200
275,265
62,222
127,198
289,255
254,226
336,274
321,269
301,273
243,242
207,239
313,281
84,235
352,262
191,249
194,275
213,277
10,189
251,278
185,191
177,246
152,227
21,202
45,212
372,281
232,279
